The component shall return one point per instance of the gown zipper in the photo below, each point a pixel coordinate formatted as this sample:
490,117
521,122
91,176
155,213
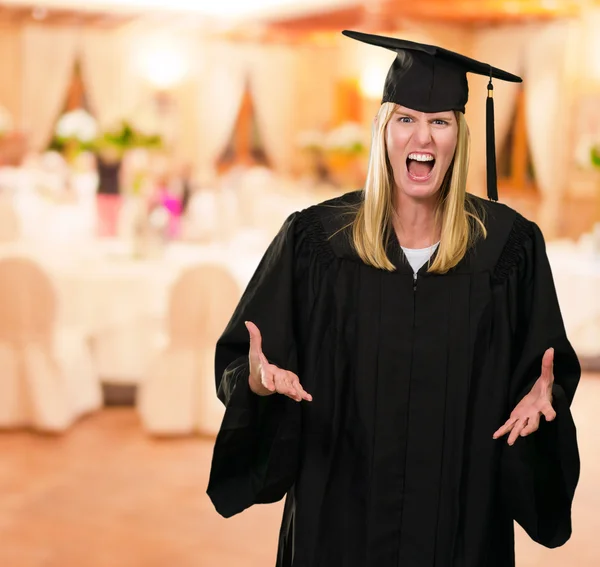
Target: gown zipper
415,277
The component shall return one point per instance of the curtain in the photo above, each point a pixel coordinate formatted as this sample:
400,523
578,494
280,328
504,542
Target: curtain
501,47
112,88
221,82
10,71
49,55
548,119
273,81
546,107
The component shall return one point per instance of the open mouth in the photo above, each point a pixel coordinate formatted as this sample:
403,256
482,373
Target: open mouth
420,169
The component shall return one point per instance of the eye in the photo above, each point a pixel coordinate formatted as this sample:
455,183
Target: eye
405,119
441,122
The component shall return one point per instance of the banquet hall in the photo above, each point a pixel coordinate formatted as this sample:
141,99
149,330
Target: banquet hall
150,150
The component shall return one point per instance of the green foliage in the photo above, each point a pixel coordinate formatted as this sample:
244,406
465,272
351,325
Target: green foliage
126,138
116,141
595,156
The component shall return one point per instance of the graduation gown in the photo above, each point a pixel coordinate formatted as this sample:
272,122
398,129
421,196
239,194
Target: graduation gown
393,463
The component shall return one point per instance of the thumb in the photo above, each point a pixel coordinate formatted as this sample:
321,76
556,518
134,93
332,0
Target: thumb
255,337
548,364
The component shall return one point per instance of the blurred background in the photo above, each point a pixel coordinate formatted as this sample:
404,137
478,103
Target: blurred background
149,152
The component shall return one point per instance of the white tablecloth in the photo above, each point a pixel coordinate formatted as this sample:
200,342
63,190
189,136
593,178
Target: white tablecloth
103,290
576,272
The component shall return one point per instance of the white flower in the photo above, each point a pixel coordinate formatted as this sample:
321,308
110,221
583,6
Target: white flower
6,121
77,124
311,139
349,136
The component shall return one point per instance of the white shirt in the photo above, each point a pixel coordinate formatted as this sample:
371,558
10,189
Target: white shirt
418,257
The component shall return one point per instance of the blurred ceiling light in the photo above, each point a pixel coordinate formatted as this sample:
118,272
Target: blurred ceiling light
372,80
163,64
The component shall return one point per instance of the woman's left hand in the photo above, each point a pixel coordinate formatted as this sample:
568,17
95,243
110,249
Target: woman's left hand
525,418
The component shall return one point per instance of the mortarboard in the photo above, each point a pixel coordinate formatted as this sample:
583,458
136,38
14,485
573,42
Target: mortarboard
433,79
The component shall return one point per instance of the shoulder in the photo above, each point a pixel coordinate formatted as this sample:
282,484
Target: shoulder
509,234
327,224
336,210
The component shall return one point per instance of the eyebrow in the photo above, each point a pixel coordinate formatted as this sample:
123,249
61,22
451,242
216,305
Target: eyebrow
439,116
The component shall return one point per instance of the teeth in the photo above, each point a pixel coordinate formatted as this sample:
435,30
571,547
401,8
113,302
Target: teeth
421,157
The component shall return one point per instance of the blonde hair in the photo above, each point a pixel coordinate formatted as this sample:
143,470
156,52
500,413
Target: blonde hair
455,212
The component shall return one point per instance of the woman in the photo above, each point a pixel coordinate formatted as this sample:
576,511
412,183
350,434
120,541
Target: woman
388,344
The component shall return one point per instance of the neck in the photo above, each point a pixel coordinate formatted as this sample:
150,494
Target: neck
414,221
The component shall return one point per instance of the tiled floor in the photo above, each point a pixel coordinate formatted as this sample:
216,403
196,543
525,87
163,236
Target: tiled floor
107,495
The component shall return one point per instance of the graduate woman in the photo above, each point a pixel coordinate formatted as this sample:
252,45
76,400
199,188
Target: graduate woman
397,367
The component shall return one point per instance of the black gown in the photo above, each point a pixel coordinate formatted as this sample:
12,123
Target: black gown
393,463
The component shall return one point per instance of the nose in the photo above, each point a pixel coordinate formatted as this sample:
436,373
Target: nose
423,133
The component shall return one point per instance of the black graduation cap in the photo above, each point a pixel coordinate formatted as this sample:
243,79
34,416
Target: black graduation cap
433,79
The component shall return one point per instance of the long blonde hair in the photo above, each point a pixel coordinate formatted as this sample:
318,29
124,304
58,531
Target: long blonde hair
455,212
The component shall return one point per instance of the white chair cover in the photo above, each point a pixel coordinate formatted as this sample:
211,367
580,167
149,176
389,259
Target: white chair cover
46,377
177,395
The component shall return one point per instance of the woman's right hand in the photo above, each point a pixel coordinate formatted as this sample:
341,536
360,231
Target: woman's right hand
266,378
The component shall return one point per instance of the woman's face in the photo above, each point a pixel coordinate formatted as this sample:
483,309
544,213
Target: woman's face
420,147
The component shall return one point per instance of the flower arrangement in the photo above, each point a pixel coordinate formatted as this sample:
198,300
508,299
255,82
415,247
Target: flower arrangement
311,140
337,154
348,138
587,153
117,141
74,133
595,155
77,125
78,131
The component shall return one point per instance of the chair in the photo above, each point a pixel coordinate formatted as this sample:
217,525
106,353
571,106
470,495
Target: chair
46,376
10,224
177,395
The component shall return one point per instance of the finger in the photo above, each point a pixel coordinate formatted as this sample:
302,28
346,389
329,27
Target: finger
548,365
514,434
255,337
298,389
533,424
548,412
301,391
294,382
308,397
506,427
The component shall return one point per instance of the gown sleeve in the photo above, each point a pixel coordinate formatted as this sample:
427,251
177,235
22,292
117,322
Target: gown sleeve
256,450
540,471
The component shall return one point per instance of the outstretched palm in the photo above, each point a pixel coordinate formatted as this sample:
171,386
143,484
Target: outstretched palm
266,378
525,418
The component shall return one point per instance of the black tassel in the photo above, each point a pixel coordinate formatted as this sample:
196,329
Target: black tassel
492,183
